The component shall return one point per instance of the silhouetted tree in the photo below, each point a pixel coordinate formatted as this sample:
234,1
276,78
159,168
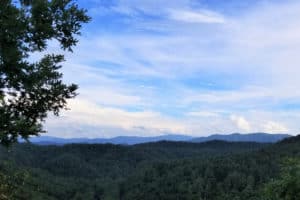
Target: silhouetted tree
29,90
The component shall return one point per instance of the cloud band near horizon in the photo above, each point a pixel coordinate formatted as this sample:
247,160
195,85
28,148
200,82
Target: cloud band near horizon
185,67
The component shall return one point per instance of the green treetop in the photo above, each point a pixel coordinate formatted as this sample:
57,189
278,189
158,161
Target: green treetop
29,90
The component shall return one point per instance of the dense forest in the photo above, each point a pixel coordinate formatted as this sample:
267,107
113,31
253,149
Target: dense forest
162,170
32,86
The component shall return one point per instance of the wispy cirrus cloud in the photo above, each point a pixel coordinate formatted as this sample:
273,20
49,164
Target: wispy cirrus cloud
200,16
180,69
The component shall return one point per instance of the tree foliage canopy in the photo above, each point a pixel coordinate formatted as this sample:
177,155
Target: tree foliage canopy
29,90
164,170
287,186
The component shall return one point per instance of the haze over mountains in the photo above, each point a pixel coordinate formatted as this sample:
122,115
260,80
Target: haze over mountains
237,137
131,140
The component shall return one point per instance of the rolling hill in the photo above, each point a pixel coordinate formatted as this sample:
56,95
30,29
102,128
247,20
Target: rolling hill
132,140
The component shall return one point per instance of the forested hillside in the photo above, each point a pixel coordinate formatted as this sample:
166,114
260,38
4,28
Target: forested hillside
163,170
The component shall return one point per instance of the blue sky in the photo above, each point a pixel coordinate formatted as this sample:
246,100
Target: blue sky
194,67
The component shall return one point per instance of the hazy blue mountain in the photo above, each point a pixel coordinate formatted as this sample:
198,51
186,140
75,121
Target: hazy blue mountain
126,140
236,137
131,140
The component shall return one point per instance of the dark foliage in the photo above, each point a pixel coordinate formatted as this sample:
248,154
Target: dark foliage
29,90
164,170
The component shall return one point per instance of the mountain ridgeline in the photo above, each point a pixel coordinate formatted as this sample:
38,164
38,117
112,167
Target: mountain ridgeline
132,140
253,137
166,170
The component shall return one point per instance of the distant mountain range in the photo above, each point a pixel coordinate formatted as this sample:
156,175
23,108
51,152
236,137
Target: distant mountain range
132,140
126,140
237,137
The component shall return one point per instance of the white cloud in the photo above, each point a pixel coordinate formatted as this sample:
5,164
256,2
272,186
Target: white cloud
149,6
84,113
201,16
255,53
273,127
203,114
240,122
